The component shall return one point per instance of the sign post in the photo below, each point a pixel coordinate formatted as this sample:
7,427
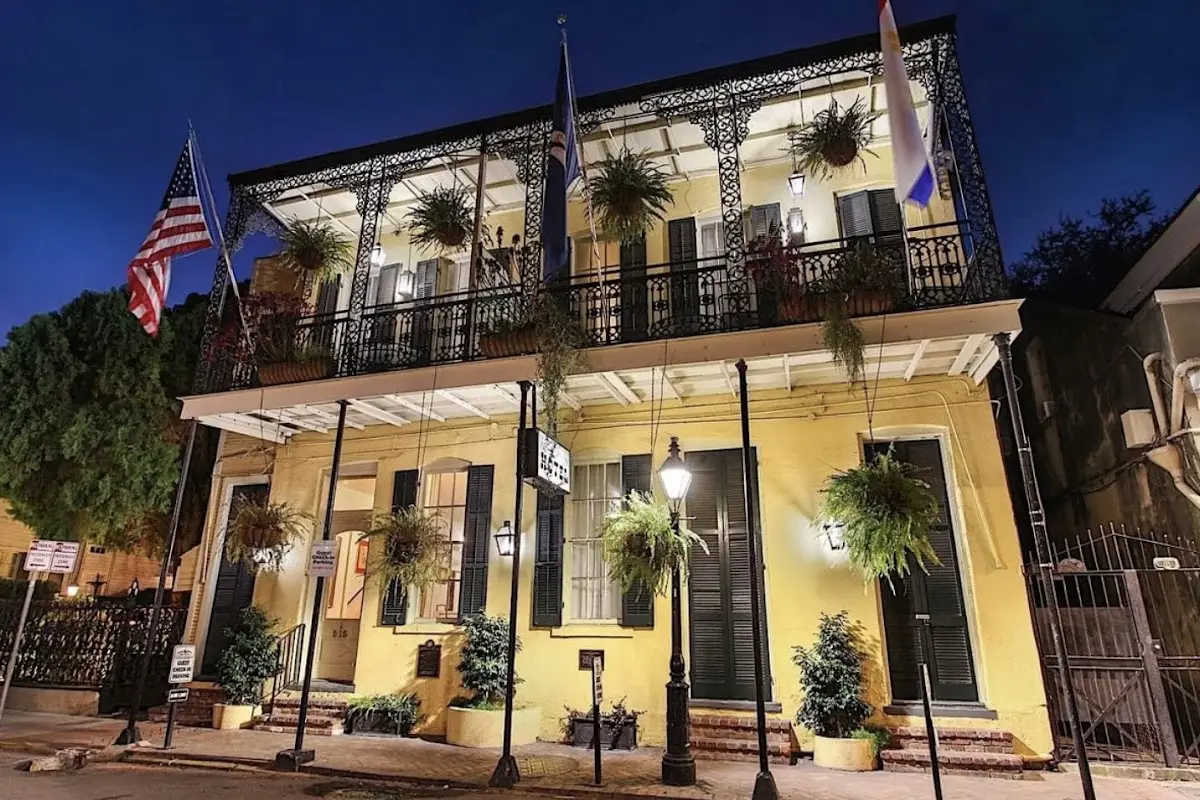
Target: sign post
43,556
597,699
183,669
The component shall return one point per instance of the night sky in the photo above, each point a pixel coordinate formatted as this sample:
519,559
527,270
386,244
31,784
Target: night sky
1072,100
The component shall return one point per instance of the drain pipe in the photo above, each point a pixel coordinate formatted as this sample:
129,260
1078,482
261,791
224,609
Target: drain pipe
1178,390
1167,457
1149,366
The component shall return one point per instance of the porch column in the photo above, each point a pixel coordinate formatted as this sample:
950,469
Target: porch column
372,195
724,130
241,208
1045,566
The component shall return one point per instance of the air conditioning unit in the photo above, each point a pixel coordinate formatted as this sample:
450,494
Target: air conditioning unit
1137,425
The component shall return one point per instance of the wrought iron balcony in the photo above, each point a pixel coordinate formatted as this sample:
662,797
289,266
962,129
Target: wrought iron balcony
926,267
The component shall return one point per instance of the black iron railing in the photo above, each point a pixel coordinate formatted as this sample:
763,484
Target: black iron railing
288,666
927,267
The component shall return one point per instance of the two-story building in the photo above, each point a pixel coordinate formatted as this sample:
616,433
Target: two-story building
431,420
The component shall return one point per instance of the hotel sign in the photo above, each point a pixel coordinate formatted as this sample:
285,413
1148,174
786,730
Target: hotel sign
547,462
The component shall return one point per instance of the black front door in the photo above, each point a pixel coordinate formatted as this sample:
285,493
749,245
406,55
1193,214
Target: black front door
924,614
635,311
721,632
234,587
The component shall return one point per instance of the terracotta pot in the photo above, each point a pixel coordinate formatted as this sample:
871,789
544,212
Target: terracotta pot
295,371
848,755
513,342
840,152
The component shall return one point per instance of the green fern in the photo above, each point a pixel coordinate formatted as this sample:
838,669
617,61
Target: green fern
629,193
261,534
412,548
641,547
315,248
833,140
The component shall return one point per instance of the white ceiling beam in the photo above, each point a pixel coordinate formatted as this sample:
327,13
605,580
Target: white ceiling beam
458,401
916,360
666,382
618,388
268,433
331,419
964,355
787,373
428,413
378,413
507,394
991,355
570,400
729,378
291,419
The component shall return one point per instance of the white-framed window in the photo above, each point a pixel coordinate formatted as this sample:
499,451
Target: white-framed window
595,491
445,495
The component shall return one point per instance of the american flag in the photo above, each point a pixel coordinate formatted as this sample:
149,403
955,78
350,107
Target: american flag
179,228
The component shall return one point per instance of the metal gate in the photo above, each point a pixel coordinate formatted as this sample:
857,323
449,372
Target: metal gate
1129,604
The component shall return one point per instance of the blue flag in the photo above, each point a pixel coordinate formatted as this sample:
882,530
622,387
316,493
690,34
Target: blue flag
562,169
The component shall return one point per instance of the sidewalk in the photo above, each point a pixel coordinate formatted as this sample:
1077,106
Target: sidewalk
553,769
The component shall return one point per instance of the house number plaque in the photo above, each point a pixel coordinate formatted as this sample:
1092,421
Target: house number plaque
429,660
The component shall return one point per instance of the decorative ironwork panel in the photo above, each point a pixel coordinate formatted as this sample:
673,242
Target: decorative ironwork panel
527,147
241,211
372,197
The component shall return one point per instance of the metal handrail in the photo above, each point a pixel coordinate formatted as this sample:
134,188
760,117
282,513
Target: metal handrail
287,664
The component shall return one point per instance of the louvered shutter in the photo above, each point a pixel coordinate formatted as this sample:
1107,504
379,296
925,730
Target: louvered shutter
740,541
940,635
634,308
711,661
886,221
637,604
854,215
425,279
547,561
472,593
762,221
685,289
393,603
233,588
327,295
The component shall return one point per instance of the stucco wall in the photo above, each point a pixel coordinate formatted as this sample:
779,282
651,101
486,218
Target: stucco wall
801,439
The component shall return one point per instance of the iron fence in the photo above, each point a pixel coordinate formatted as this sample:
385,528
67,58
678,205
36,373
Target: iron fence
1128,602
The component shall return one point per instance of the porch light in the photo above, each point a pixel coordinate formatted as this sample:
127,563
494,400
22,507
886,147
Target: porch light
796,183
795,220
378,255
505,540
72,591
674,475
405,281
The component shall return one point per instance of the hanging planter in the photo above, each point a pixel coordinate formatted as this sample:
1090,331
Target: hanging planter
284,350
443,220
315,249
886,513
411,548
261,534
833,140
629,194
861,283
641,547
559,339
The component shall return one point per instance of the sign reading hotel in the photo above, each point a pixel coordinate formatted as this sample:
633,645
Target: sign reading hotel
547,462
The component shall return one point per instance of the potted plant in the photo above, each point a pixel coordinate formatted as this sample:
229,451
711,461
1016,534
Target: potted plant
261,534
629,193
861,282
618,728
249,658
833,708
885,512
833,140
412,548
390,714
443,220
641,547
776,273
285,348
508,337
314,250
478,719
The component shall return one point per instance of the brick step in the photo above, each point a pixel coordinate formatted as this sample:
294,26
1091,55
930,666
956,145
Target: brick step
312,721
196,717
717,749
962,739
954,762
327,707
310,727
739,724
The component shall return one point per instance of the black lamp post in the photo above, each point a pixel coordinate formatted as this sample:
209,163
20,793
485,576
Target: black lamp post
678,764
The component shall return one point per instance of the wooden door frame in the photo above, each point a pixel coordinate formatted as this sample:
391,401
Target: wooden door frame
958,527
214,557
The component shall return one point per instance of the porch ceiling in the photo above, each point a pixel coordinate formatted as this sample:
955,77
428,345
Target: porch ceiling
970,355
675,145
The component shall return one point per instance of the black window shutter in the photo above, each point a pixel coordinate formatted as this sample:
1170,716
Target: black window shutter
685,287
327,295
635,311
472,598
393,604
854,214
637,604
886,221
547,561
761,220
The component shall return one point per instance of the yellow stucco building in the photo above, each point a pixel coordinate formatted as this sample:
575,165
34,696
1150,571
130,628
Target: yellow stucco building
430,420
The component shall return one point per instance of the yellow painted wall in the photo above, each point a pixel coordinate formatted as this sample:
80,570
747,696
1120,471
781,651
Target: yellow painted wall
801,439
14,542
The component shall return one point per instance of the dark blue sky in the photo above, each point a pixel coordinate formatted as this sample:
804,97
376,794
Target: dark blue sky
1072,100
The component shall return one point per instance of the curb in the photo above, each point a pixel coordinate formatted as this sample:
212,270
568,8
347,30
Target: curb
231,763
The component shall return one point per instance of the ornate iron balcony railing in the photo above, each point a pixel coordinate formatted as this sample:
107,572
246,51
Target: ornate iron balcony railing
926,267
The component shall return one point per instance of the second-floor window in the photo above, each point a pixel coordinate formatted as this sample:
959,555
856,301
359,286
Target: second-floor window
595,491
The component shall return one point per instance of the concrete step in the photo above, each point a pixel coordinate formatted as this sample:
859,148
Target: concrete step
954,762
962,739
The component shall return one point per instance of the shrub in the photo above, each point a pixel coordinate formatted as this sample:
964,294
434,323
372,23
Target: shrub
831,673
248,659
400,711
484,661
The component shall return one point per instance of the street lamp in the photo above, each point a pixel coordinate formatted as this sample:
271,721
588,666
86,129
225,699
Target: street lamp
678,764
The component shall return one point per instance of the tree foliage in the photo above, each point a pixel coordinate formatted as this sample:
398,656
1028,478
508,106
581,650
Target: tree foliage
90,437
1081,260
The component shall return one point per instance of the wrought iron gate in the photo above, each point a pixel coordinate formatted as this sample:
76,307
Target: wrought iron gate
1129,604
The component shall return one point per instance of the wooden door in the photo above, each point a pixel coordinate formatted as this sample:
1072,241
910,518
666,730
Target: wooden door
233,589
924,614
719,613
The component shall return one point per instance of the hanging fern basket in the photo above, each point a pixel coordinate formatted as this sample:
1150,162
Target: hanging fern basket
261,534
642,548
315,249
411,548
629,194
833,140
443,220
886,513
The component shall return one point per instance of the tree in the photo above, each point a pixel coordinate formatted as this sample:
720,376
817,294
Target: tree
89,431
1081,260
